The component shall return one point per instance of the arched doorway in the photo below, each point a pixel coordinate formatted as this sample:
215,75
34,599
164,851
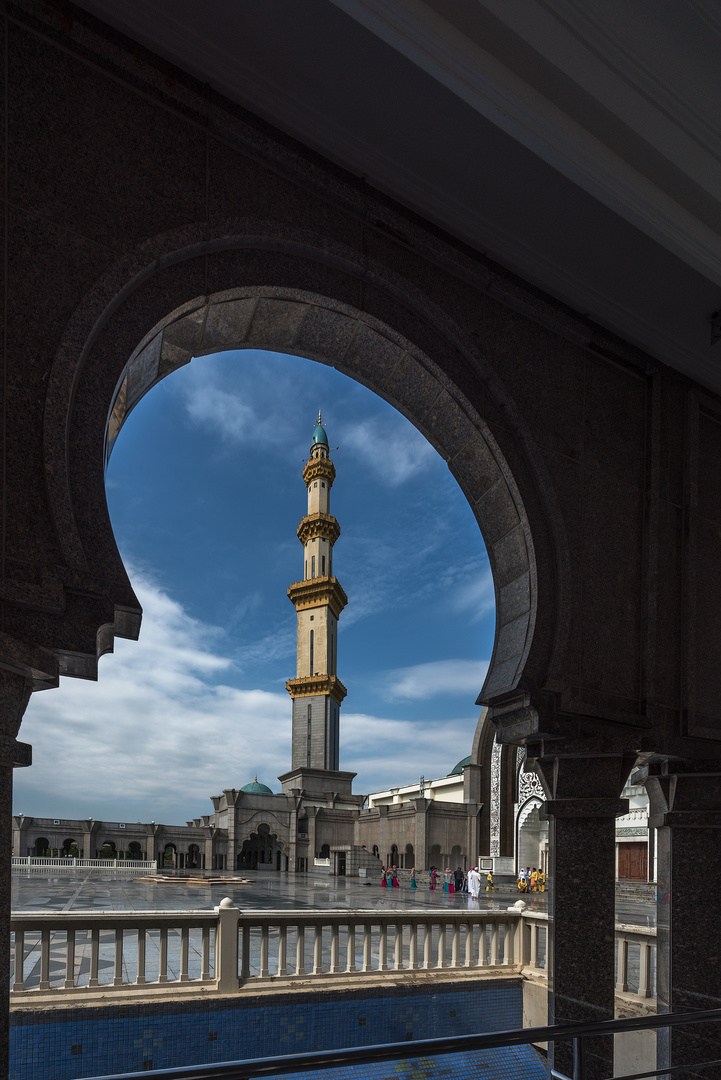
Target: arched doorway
261,851
70,848
192,859
108,851
170,856
134,850
409,859
42,847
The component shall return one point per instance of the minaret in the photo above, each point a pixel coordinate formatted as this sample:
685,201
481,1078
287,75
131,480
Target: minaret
317,692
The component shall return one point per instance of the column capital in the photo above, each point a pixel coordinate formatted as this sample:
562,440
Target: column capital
685,795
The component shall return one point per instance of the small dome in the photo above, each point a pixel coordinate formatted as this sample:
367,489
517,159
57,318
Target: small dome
256,789
319,436
457,771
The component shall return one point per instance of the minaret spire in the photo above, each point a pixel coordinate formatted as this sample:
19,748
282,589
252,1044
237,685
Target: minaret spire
317,692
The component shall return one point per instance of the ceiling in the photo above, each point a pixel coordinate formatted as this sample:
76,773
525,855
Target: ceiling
577,143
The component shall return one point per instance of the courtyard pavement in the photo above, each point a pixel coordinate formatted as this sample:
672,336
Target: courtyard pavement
92,890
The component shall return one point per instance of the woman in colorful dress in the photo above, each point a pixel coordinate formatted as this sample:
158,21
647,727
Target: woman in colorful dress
413,878
384,883
394,877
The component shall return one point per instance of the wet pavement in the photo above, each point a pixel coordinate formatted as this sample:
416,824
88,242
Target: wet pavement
93,890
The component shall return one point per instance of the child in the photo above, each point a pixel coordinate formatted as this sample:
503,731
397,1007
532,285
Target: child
490,887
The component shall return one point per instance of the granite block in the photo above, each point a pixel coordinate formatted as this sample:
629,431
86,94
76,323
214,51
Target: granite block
325,335
509,557
514,599
476,469
275,323
615,419
226,324
497,512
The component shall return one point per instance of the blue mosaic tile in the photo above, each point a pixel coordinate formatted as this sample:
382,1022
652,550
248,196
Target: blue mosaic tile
87,1042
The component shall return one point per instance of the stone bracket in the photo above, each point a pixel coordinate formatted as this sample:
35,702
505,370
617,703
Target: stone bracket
14,754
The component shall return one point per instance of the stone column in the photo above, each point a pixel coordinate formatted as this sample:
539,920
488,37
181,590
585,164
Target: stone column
685,807
583,801
15,693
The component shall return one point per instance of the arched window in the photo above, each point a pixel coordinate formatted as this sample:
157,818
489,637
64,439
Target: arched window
312,633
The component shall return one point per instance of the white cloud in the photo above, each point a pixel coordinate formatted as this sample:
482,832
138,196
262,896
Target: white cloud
158,733
390,446
448,677
474,595
386,752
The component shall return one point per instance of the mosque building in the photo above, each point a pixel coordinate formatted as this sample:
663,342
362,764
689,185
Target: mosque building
488,810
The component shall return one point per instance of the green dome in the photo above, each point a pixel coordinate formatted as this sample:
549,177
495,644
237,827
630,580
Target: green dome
257,789
459,767
319,436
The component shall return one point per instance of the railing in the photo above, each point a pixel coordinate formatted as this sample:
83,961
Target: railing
224,950
40,863
455,1044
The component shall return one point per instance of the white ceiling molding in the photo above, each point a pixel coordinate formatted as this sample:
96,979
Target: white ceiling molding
504,98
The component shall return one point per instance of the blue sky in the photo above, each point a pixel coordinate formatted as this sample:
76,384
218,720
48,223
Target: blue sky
205,493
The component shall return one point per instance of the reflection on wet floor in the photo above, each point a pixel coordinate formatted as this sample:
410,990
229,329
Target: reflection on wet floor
93,890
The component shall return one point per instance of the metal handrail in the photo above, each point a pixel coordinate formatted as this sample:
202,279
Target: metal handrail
363,1055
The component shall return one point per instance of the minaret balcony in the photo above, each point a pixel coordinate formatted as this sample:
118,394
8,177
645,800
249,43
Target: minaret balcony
315,592
319,468
318,527
317,685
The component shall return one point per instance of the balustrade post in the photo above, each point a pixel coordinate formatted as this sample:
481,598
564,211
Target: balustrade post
398,947
317,948
441,954
140,980
70,960
45,959
383,947
226,947
334,948
163,955
468,958
94,955
184,950
482,944
427,945
264,932
350,951
455,940
644,970
494,944
300,951
367,961
534,945
413,947
205,954
622,965
282,950
19,966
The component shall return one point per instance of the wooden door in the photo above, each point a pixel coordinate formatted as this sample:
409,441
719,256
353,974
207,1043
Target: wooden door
633,861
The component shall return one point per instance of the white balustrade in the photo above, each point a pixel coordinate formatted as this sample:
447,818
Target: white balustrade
38,864
75,954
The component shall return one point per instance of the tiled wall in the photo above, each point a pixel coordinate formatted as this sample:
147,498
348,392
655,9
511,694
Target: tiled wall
50,1045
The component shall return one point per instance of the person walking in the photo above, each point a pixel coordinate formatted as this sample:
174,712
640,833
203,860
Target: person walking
490,887
474,883
458,879
384,883
394,877
413,878
534,879
433,875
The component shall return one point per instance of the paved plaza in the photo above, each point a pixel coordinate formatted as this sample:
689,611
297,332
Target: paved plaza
93,890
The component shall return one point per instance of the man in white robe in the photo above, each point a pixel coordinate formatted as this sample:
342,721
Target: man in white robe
474,883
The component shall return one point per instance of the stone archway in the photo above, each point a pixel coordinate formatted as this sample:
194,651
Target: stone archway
148,308
307,325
